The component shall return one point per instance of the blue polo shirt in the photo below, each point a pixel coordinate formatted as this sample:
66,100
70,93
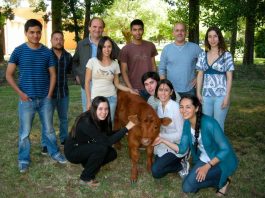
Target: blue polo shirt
33,65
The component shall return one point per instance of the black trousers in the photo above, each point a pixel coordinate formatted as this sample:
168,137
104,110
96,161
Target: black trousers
91,156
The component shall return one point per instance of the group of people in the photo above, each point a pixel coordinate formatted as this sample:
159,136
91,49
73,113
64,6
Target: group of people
196,102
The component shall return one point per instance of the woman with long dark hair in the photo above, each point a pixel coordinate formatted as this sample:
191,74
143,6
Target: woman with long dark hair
214,78
214,158
103,71
91,139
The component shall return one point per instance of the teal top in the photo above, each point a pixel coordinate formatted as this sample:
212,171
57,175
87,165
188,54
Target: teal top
215,143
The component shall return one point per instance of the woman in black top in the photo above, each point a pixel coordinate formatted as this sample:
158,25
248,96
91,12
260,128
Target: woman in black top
91,139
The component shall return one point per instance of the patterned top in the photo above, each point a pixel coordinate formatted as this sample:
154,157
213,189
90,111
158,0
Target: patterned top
214,82
102,78
33,65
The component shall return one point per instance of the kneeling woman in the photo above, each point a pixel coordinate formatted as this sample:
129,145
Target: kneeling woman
91,139
215,160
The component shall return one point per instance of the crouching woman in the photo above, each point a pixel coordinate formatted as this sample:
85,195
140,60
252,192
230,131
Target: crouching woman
213,156
91,139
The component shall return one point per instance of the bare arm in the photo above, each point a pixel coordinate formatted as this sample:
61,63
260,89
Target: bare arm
153,63
87,87
229,78
171,145
10,79
199,85
52,72
124,74
122,87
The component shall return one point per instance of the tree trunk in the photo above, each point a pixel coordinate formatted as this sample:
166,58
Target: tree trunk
233,37
2,44
194,11
87,18
56,15
72,7
248,57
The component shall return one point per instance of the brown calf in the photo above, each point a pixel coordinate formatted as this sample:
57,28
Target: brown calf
142,134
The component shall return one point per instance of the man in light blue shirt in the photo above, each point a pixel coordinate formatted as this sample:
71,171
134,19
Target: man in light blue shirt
178,60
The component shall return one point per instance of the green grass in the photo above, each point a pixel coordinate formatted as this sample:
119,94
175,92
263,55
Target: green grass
244,127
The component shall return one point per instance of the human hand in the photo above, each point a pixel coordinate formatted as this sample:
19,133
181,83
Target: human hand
157,141
194,82
134,91
225,102
202,172
24,97
77,80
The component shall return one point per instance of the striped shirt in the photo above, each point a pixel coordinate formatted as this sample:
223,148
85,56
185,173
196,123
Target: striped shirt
33,65
63,67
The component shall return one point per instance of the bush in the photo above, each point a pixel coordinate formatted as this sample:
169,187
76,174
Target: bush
260,43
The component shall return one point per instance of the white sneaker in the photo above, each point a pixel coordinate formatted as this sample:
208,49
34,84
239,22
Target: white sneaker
59,158
185,166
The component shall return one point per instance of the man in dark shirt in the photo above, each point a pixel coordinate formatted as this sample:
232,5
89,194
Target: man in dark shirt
60,97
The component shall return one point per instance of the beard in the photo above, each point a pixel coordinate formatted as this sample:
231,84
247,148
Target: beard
58,48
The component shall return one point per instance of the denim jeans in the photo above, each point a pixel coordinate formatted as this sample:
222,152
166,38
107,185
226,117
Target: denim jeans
191,185
61,105
27,112
112,103
212,106
191,92
83,97
168,163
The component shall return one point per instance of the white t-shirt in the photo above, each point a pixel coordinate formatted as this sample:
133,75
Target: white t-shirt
102,78
204,156
173,131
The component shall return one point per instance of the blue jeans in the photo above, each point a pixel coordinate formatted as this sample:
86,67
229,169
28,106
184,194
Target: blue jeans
112,103
168,163
83,97
61,105
191,185
27,112
212,106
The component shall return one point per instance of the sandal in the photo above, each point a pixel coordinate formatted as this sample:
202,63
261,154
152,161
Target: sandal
223,193
91,183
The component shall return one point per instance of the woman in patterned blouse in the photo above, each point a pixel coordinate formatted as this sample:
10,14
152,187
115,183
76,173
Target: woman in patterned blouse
214,79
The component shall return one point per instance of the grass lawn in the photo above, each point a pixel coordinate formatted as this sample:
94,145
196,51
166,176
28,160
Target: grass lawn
244,126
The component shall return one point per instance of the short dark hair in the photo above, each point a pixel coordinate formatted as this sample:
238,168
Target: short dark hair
57,32
101,45
94,18
169,84
32,23
152,75
137,22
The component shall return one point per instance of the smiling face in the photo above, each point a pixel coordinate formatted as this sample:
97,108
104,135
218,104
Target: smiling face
213,39
150,86
164,93
187,109
107,48
96,29
102,111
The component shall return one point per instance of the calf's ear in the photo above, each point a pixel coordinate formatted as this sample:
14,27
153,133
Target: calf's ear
134,119
165,121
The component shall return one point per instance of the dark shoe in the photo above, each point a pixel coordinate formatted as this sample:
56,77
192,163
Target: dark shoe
222,192
63,143
44,150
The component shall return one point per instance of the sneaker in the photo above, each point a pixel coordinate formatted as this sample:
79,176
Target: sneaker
44,150
59,158
185,167
23,168
91,183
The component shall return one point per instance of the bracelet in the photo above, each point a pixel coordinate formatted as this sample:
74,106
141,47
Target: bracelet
210,164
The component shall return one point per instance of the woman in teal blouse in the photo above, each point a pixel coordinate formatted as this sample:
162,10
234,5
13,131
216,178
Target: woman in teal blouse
214,158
